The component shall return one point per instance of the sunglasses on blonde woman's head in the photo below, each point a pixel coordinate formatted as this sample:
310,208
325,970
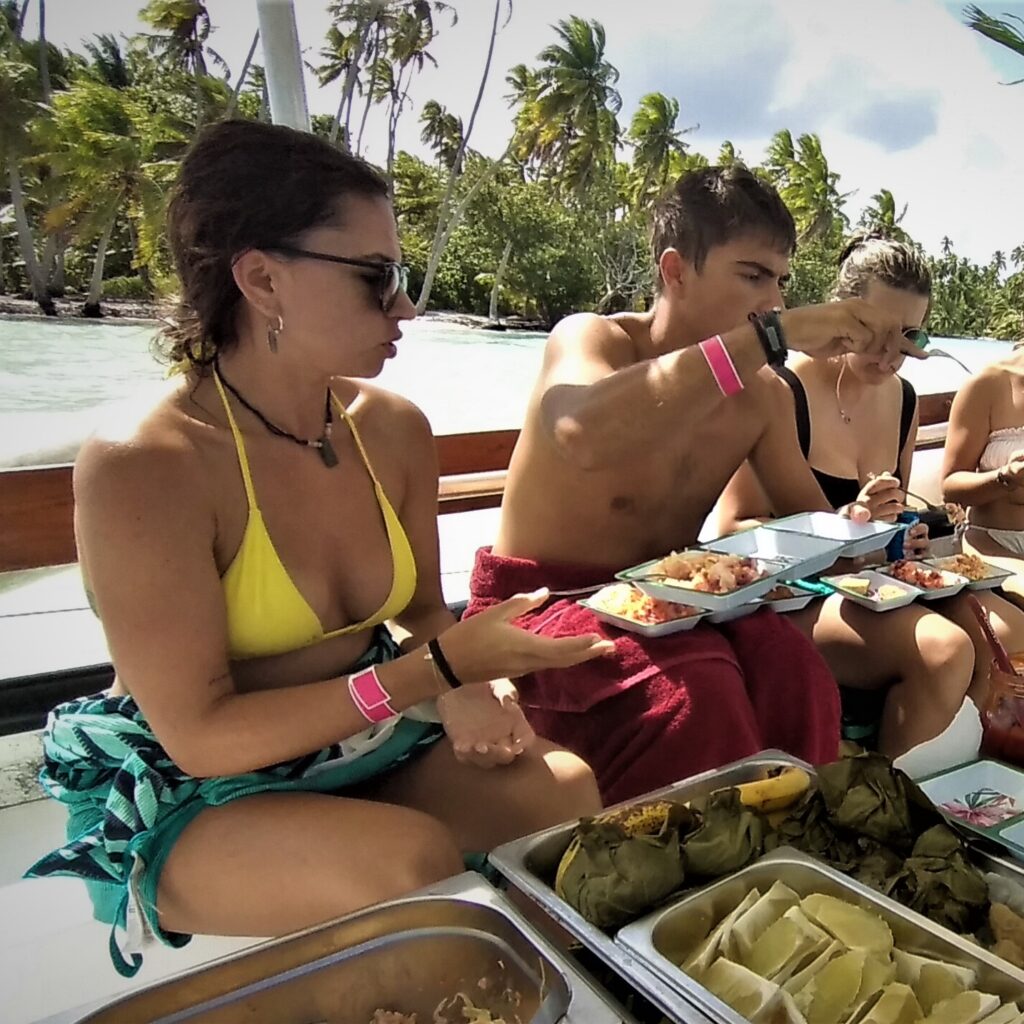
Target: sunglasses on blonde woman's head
393,277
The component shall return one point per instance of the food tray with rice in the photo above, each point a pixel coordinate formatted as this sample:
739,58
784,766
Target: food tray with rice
791,939
624,606
715,582
873,590
859,816
857,538
933,583
455,952
802,554
980,575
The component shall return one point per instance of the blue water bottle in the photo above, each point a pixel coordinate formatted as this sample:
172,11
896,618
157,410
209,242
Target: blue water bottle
894,549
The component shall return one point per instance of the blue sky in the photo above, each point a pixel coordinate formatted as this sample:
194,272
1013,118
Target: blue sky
902,95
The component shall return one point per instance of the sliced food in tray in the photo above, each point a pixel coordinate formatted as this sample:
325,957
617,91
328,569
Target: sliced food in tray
931,581
803,554
790,939
708,579
980,575
623,605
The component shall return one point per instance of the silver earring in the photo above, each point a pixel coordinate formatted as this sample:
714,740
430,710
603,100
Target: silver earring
272,333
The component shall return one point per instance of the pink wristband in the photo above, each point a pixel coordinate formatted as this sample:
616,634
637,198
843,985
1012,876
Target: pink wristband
373,701
721,365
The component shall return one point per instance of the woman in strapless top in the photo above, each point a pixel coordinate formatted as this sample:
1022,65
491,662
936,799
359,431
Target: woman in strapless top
857,426
984,462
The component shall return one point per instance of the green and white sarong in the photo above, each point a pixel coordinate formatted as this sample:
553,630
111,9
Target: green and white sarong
128,802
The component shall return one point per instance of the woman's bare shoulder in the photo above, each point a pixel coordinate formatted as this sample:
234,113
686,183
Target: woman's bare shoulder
382,411
144,446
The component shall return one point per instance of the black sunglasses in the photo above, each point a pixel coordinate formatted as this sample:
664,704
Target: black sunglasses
394,277
917,337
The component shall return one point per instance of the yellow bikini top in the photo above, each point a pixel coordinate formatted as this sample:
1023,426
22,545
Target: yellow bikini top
266,613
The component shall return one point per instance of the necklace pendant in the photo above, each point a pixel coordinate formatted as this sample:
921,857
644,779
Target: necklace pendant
327,452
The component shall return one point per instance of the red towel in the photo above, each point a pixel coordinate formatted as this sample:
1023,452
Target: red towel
660,710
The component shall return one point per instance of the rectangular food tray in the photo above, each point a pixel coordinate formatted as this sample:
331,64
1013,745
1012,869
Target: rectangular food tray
640,576
857,538
668,936
802,554
530,863
407,955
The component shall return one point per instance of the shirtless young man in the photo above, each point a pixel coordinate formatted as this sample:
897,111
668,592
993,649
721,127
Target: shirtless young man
628,443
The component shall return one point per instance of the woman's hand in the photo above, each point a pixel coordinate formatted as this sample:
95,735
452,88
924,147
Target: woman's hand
490,646
882,497
484,722
916,542
1013,471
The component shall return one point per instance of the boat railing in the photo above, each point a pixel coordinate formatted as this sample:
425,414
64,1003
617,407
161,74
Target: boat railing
37,504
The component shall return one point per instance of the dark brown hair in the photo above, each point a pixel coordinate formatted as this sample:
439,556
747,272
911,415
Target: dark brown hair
246,185
872,256
714,205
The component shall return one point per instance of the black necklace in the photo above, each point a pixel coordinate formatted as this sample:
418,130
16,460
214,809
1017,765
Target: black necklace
322,444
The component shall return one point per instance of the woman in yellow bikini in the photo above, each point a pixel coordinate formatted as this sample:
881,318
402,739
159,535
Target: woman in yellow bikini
268,756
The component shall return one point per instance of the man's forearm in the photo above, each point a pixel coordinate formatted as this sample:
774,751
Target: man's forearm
635,407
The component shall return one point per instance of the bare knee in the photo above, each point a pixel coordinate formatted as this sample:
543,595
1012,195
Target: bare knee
423,853
946,654
556,785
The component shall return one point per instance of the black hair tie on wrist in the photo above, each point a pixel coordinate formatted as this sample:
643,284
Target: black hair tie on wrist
434,646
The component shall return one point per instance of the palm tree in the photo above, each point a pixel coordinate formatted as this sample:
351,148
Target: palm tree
728,155
108,64
998,30
1017,256
442,132
576,104
182,30
881,216
106,147
18,106
655,141
807,185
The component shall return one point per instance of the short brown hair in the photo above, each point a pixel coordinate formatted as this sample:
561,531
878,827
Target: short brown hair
872,256
713,205
246,185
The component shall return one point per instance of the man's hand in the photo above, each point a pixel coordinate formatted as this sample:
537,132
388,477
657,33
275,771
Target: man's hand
851,325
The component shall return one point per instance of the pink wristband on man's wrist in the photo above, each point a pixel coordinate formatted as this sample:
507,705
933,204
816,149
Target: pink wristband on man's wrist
721,365
369,696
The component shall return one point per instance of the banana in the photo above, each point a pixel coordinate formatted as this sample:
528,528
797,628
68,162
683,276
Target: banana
777,792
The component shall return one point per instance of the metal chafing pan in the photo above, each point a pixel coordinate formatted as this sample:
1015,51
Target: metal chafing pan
530,864
407,955
665,938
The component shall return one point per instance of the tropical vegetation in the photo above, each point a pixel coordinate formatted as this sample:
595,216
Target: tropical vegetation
90,139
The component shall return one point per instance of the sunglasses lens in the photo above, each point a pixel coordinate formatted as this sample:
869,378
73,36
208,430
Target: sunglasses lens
919,338
396,279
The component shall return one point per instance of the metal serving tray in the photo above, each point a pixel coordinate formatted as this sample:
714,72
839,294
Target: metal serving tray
857,538
530,864
802,554
406,955
665,938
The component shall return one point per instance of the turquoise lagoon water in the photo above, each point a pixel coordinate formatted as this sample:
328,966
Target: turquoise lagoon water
56,377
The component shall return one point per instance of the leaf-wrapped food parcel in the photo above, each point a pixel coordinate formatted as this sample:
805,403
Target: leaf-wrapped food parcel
730,836
866,795
612,876
938,881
